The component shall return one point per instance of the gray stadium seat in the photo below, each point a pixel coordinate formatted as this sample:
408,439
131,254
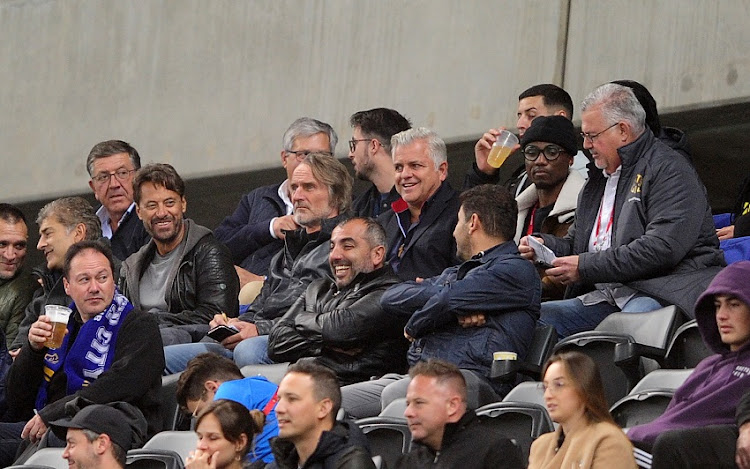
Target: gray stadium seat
273,373
181,442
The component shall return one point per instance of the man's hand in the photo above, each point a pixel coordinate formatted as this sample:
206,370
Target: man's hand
408,337
482,150
246,276
742,457
526,251
284,223
246,329
725,233
565,270
34,429
219,320
39,332
474,320
14,353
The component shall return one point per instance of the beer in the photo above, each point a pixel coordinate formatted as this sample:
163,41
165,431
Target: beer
498,155
58,334
58,316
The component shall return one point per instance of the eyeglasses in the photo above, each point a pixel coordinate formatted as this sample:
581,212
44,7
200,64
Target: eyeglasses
592,137
353,143
121,174
302,154
554,387
551,152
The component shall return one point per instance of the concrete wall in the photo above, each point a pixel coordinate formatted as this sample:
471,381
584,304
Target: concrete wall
210,86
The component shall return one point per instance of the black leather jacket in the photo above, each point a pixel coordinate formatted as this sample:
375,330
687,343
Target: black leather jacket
347,330
303,259
204,283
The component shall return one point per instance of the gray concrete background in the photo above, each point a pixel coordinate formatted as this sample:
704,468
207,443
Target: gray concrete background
210,86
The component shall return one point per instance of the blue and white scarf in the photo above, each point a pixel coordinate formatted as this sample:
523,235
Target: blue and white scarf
92,351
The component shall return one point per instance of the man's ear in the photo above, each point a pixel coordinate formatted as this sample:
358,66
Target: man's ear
102,444
79,232
211,385
377,255
324,409
66,285
138,211
474,223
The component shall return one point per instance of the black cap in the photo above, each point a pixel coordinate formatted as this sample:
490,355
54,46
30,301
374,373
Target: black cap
552,129
122,422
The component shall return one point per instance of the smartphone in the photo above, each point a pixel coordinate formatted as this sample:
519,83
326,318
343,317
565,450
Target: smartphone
220,333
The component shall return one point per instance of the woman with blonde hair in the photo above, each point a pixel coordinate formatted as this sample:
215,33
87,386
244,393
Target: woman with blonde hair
226,430
587,436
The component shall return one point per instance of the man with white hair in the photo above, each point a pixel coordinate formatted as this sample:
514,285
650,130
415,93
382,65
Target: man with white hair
643,236
420,227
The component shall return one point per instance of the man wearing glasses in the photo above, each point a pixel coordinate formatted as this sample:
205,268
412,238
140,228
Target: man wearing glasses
370,153
255,231
548,205
643,236
112,165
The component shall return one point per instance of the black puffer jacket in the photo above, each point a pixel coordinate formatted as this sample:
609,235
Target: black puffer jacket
466,444
303,259
347,330
343,447
204,282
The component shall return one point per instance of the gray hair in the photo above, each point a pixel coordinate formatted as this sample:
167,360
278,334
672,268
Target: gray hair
118,453
332,173
109,148
305,127
435,145
70,211
618,103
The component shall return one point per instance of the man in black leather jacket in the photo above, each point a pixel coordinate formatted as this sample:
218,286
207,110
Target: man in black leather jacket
183,276
321,193
340,322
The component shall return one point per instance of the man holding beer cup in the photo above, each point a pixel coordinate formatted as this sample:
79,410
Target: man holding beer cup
107,352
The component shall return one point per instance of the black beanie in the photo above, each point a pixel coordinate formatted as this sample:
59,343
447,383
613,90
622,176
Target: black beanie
552,129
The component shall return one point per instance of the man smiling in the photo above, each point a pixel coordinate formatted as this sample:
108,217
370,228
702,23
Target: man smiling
420,226
183,276
340,322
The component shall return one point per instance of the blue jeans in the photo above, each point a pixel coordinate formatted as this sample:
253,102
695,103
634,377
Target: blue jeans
252,351
571,316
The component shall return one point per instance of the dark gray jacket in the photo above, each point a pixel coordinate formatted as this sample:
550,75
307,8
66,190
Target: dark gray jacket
663,243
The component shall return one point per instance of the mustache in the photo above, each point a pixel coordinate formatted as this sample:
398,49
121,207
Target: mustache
156,220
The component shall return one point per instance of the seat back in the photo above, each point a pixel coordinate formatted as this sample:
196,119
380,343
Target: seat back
600,347
545,338
377,461
389,437
181,442
273,373
520,421
528,391
395,408
662,379
687,348
50,457
153,459
639,408
170,411
654,328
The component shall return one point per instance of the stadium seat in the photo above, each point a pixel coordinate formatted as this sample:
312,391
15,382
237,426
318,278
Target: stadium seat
528,391
687,348
389,437
378,461
520,421
181,442
45,458
649,398
395,409
273,373
168,399
153,459
545,338
619,343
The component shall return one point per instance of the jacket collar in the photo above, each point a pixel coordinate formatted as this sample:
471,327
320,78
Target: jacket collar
630,153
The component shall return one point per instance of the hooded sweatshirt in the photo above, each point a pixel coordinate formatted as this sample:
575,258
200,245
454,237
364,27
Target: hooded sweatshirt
711,393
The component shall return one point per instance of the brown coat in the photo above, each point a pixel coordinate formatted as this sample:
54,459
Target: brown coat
601,445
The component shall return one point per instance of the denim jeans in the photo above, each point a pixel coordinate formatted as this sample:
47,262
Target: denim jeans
252,351
571,316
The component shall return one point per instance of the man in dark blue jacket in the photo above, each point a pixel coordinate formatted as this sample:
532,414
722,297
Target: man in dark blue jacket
489,303
255,231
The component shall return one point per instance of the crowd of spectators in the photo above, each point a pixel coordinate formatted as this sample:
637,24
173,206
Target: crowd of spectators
358,288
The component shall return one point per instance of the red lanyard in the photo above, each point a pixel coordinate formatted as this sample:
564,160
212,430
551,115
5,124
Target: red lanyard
269,407
599,222
531,222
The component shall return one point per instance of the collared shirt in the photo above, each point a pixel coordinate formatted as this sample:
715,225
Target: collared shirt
284,196
104,217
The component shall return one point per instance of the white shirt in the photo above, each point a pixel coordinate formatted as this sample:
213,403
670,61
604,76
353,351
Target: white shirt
104,217
284,196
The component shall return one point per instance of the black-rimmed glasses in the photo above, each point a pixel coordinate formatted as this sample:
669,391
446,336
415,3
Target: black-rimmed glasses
551,152
121,174
353,143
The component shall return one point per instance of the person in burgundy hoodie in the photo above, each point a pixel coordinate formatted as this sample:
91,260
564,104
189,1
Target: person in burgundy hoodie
711,393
